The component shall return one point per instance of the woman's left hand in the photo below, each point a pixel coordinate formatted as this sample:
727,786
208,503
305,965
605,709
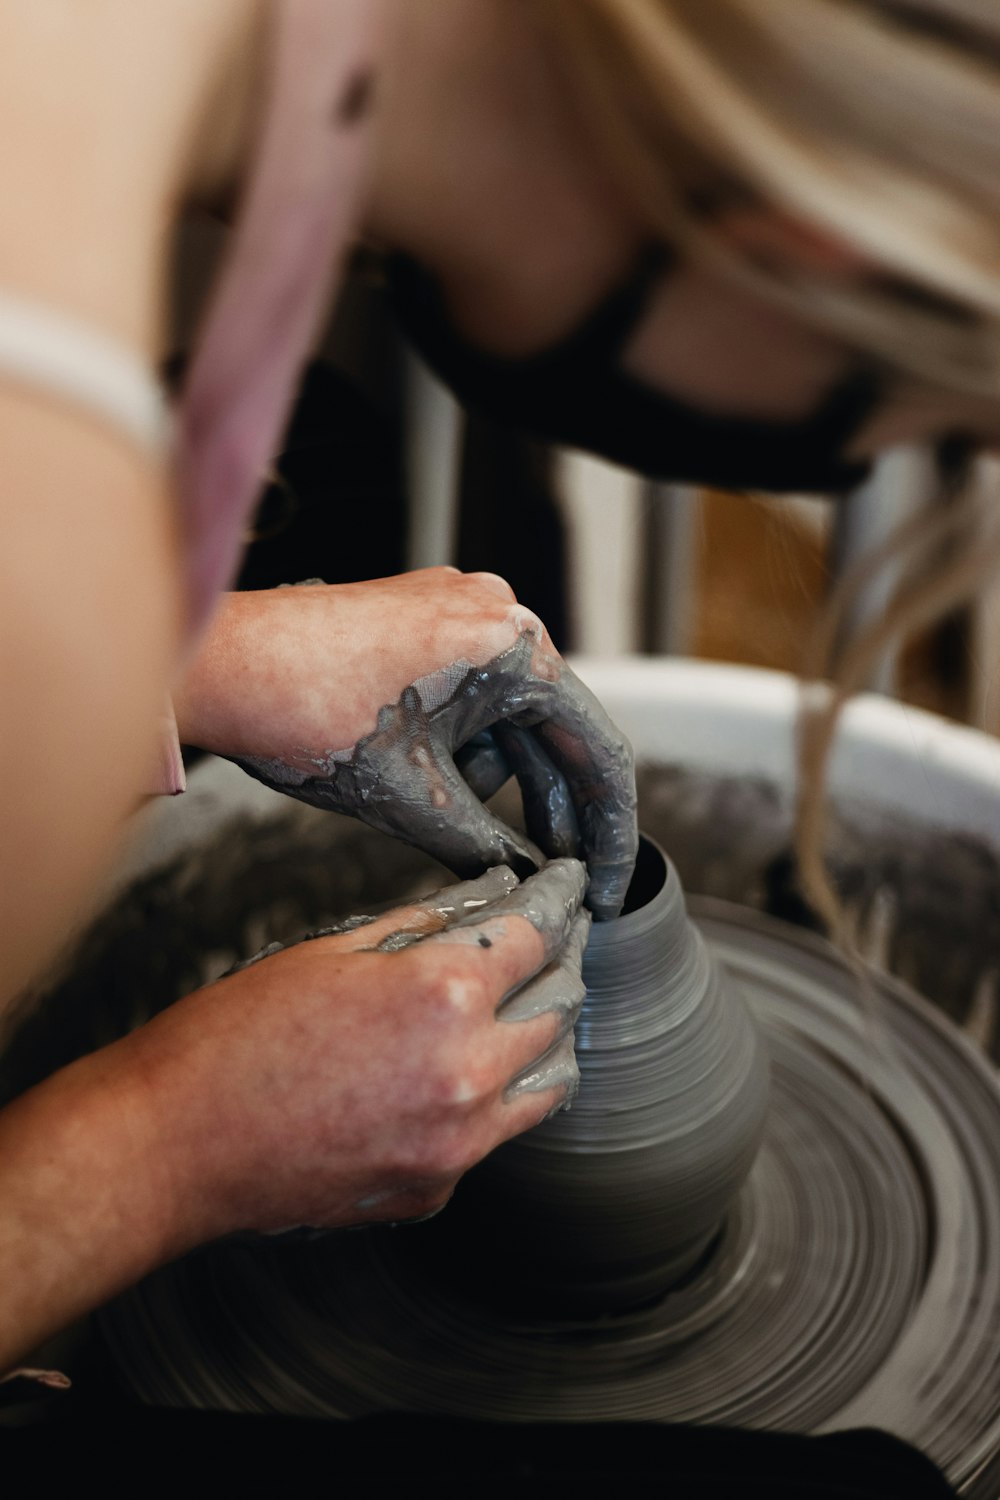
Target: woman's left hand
403,701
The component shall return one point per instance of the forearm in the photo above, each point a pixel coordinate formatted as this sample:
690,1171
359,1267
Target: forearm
89,600
88,618
87,1201
296,1091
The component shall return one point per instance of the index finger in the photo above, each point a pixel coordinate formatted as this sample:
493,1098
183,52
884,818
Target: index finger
596,760
406,925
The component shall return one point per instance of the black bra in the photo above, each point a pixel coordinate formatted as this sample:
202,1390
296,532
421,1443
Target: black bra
576,394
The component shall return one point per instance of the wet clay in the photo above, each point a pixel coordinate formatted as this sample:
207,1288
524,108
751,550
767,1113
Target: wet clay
855,1280
669,1115
550,901
574,767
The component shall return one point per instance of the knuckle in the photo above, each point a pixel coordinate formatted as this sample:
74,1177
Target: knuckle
448,1128
458,1087
456,992
526,622
494,584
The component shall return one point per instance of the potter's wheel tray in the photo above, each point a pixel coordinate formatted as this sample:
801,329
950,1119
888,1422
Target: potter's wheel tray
857,1283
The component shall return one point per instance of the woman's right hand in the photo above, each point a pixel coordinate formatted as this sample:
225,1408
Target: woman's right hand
355,1077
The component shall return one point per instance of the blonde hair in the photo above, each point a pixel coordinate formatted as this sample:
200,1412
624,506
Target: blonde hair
855,117
944,556
877,122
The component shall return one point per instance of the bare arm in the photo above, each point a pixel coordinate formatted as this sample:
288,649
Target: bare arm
331,1084
98,107
98,104
86,625
86,1203
327,1084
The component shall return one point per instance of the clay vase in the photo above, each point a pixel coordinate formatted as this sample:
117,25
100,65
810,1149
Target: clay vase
610,1203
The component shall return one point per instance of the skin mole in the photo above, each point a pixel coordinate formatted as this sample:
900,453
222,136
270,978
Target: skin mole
356,99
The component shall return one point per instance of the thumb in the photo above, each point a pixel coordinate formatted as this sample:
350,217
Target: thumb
445,908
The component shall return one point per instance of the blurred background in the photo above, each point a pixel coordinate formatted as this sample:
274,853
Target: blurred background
382,472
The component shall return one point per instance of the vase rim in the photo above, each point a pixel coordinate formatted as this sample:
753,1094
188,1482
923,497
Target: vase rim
653,879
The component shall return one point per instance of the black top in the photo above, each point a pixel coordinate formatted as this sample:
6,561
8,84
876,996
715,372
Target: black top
575,393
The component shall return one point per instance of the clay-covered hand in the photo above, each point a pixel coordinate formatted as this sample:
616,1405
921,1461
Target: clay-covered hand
355,1077
404,701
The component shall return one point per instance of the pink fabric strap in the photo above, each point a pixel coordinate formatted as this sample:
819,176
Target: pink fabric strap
299,211
169,776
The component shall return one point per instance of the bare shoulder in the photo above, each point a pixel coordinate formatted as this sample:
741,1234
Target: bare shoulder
103,104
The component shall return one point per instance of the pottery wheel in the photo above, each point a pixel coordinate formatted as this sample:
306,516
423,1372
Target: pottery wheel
856,1283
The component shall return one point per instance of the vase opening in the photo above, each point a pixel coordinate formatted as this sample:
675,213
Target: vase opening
648,879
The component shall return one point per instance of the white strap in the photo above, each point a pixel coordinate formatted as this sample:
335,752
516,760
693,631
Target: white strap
62,356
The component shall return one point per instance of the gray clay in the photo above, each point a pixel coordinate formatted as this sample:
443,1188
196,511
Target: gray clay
669,1115
575,769
550,901
451,904
556,1069
559,987
854,1282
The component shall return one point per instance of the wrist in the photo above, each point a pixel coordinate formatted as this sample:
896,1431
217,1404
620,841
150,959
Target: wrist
269,678
201,701
171,1080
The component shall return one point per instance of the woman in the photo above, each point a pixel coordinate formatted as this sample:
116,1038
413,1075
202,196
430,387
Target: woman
518,161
